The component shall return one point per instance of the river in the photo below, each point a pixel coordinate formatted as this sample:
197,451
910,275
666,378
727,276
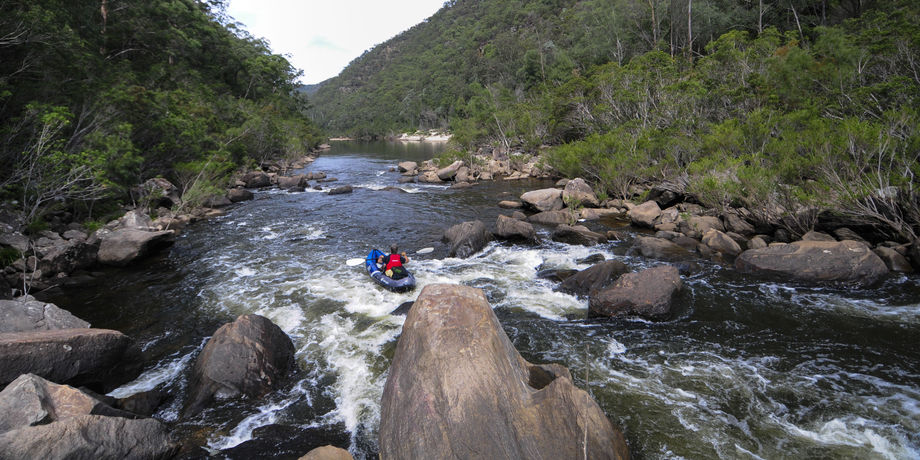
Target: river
743,369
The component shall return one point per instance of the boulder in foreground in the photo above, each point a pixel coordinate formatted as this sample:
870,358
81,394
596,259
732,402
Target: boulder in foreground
248,357
90,437
815,261
457,388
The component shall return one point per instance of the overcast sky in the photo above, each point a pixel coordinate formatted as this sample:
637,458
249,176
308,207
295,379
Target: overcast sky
322,36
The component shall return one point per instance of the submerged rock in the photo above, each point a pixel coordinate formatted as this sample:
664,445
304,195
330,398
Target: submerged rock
248,357
457,388
815,261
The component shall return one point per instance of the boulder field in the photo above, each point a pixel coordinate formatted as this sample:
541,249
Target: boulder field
457,388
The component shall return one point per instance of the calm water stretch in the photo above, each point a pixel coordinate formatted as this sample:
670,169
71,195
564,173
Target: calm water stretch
744,369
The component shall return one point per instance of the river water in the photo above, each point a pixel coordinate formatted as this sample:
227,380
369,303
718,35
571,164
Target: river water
743,369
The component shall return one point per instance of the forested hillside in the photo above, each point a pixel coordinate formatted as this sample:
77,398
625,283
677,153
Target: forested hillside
789,108
96,97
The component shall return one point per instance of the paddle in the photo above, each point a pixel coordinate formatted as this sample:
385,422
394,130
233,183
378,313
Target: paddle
355,262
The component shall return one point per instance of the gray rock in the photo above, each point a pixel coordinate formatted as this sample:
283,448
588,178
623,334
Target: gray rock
815,261
248,357
817,236
288,182
720,242
591,280
666,194
256,179
217,201
16,241
578,191
645,214
327,453
237,195
467,238
547,199
158,192
551,218
407,166
450,171
657,248
735,223
577,234
341,190
507,228
429,177
648,293
98,358
508,204
123,247
457,388
31,400
90,437
844,233
756,243
893,260
27,314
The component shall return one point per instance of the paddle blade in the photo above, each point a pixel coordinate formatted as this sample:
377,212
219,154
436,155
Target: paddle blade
354,262
424,250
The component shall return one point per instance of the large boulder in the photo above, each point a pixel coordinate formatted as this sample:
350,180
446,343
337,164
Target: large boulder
429,177
66,255
547,199
248,357
577,234
577,191
124,246
31,400
450,171
97,358
507,228
667,194
467,238
256,179
341,190
90,437
457,388
27,314
815,261
645,214
648,293
659,248
591,280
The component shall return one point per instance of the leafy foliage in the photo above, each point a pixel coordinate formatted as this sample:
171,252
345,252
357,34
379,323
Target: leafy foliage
96,97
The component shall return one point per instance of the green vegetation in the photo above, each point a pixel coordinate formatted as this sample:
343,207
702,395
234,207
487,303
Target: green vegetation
787,108
96,97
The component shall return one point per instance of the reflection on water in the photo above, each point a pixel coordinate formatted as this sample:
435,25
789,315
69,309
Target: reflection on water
742,370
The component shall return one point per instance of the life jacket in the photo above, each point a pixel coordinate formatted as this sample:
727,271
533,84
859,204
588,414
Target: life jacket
393,261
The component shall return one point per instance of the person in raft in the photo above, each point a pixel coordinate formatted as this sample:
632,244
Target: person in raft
394,263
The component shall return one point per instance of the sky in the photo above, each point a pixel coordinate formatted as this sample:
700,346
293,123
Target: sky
321,37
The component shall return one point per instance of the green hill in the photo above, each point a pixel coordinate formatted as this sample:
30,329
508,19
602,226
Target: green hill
790,109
